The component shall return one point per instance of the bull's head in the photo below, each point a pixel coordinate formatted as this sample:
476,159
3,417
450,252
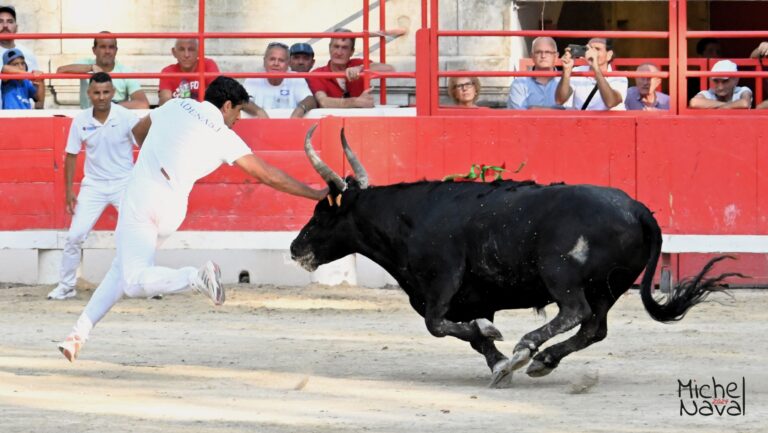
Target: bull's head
326,237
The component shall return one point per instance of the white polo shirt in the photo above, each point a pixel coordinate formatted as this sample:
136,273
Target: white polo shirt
738,91
187,141
288,94
108,146
582,87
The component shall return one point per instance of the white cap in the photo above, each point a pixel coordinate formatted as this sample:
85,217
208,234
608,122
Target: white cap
724,66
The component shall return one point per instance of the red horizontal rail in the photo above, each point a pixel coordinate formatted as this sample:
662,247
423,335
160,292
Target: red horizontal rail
372,74
730,34
559,33
661,74
190,35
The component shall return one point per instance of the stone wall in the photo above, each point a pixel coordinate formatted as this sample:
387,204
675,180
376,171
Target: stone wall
149,55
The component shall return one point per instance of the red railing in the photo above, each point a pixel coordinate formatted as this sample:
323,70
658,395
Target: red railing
677,35
201,35
428,74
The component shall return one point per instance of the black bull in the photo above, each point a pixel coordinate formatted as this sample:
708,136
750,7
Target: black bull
462,251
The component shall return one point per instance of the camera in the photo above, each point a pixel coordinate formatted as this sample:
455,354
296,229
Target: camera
577,50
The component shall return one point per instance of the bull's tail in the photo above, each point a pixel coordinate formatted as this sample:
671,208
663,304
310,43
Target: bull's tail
688,292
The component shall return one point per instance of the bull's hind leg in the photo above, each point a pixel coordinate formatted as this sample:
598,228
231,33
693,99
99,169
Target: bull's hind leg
574,309
591,331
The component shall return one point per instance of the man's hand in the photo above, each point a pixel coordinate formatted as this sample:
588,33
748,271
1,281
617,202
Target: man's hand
35,80
591,56
96,68
354,72
71,202
365,100
761,50
567,60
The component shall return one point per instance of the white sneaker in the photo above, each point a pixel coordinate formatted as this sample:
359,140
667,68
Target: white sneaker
209,282
62,292
71,346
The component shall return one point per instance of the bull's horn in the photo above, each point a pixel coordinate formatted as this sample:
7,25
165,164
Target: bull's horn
322,168
357,167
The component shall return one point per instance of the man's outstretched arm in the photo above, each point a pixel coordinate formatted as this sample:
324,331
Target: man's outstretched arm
277,179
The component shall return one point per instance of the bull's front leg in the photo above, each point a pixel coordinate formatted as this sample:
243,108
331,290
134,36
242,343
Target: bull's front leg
480,333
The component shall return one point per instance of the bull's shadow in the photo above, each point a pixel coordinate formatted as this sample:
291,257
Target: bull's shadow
463,251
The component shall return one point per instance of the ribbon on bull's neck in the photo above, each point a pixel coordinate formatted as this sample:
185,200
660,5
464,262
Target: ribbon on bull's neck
482,171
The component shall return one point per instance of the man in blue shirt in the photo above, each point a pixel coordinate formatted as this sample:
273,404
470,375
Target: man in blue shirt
536,92
645,96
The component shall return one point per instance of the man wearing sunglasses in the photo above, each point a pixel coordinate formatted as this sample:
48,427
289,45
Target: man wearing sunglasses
278,92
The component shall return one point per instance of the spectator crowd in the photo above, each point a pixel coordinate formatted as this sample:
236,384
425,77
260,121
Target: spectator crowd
588,89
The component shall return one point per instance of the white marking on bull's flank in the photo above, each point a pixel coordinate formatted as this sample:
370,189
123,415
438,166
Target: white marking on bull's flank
580,251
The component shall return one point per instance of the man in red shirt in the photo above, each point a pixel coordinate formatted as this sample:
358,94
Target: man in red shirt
185,52
344,92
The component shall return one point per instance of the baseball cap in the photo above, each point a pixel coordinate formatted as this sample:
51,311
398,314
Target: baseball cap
13,53
724,66
10,9
302,48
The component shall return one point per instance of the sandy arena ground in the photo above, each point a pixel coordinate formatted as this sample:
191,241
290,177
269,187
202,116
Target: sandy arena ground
346,359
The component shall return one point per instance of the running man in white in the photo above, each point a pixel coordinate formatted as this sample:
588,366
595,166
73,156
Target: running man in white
105,128
183,141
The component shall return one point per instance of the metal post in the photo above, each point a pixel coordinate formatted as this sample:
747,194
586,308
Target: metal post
366,39
201,49
382,50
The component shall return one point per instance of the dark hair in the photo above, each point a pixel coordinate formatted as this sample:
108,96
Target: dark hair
702,44
224,89
607,41
100,77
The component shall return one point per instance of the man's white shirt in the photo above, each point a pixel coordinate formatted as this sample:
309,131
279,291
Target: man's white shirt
582,87
288,94
187,141
108,146
738,92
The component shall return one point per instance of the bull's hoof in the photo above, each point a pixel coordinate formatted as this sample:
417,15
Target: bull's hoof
538,369
520,358
502,375
488,330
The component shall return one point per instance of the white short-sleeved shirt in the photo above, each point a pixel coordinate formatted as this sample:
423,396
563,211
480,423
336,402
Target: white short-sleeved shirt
582,87
288,94
187,141
108,146
738,91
